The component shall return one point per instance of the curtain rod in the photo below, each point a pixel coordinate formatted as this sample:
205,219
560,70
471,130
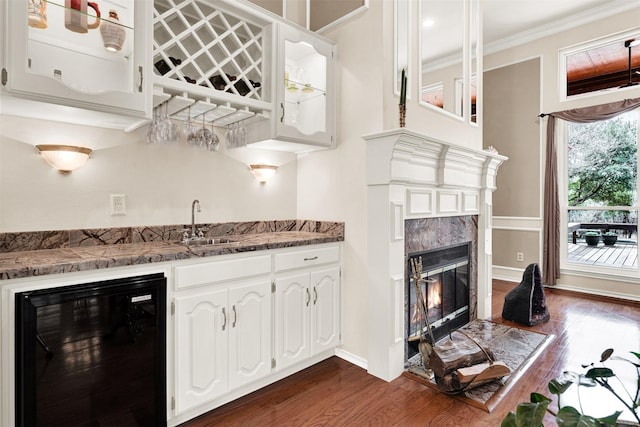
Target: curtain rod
542,114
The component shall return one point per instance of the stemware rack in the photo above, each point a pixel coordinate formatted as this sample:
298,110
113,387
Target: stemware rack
212,62
184,107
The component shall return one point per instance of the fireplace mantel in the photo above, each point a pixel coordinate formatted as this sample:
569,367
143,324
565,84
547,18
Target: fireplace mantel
411,175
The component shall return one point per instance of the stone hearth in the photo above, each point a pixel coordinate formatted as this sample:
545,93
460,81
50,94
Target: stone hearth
412,176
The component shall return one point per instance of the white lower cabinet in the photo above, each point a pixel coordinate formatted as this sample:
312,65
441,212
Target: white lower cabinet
234,317
307,312
223,340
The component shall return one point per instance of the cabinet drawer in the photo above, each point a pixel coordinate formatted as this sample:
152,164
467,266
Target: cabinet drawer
306,258
220,271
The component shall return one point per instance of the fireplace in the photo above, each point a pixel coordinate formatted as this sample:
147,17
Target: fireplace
445,289
422,194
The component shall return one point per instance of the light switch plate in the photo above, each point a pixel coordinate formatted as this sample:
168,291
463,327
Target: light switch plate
118,204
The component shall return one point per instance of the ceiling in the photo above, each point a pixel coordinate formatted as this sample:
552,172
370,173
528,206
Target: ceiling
507,23
504,19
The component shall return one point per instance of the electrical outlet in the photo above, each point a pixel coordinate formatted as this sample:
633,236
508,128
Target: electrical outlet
118,204
519,256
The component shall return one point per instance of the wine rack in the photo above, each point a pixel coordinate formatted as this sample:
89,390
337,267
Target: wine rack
205,54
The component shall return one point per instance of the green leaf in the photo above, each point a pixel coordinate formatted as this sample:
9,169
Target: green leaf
509,420
569,416
610,420
635,354
530,414
558,387
606,354
599,373
539,398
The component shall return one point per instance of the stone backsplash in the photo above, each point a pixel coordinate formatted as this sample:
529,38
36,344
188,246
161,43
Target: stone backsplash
56,239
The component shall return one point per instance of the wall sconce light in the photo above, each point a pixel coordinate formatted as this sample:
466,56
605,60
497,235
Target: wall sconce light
64,158
263,172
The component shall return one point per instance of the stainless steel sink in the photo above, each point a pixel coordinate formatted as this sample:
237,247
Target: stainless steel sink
207,241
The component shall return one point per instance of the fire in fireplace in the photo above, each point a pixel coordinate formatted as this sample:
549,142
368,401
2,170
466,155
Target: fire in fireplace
445,288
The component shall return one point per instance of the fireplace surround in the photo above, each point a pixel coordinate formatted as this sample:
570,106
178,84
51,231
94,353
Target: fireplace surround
447,288
411,176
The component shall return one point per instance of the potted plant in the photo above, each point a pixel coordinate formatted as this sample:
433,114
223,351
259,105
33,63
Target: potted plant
592,238
531,414
610,238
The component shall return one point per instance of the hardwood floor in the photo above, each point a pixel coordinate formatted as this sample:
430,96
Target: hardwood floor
337,393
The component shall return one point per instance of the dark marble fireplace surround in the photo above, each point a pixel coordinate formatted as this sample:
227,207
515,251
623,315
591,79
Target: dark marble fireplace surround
426,234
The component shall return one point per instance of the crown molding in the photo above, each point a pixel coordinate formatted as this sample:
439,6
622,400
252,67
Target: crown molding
564,24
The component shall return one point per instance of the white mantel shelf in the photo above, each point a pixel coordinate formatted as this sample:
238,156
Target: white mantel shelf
402,155
411,175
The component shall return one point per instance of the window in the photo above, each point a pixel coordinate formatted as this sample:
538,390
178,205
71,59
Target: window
600,65
600,193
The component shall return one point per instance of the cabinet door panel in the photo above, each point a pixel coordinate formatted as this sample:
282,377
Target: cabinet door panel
201,348
306,106
62,63
250,332
326,309
292,305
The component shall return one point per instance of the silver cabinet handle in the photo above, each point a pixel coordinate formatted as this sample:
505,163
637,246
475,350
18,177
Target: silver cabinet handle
308,298
282,117
315,295
312,258
235,316
140,70
224,318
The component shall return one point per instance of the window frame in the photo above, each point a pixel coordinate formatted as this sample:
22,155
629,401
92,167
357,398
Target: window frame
571,50
563,182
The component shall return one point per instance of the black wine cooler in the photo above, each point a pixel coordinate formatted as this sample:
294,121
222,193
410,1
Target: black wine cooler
92,354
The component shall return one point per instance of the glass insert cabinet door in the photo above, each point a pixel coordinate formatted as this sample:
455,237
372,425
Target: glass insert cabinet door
305,96
79,52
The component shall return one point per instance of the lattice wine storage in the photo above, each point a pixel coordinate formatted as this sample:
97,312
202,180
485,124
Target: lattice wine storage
199,44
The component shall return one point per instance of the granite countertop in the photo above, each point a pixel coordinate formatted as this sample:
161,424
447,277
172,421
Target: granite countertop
19,264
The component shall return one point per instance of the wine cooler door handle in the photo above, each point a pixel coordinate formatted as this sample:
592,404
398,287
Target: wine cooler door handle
282,117
224,319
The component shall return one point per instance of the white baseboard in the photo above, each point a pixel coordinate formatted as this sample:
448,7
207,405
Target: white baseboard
508,274
352,358
598,292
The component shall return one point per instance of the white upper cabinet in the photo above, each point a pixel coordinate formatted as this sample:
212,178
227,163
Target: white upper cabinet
92,57
304,117
306,91
212,60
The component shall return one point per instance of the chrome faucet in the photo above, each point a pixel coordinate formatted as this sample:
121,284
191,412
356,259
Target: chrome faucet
193,217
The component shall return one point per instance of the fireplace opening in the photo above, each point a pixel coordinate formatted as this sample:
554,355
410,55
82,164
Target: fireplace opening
445,288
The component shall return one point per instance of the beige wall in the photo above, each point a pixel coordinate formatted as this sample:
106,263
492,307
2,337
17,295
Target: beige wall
159,181
511,108
324,12
273,6
506,243
331,184
512,233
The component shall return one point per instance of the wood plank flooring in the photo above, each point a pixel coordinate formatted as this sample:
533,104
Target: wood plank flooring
619,255
337,393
